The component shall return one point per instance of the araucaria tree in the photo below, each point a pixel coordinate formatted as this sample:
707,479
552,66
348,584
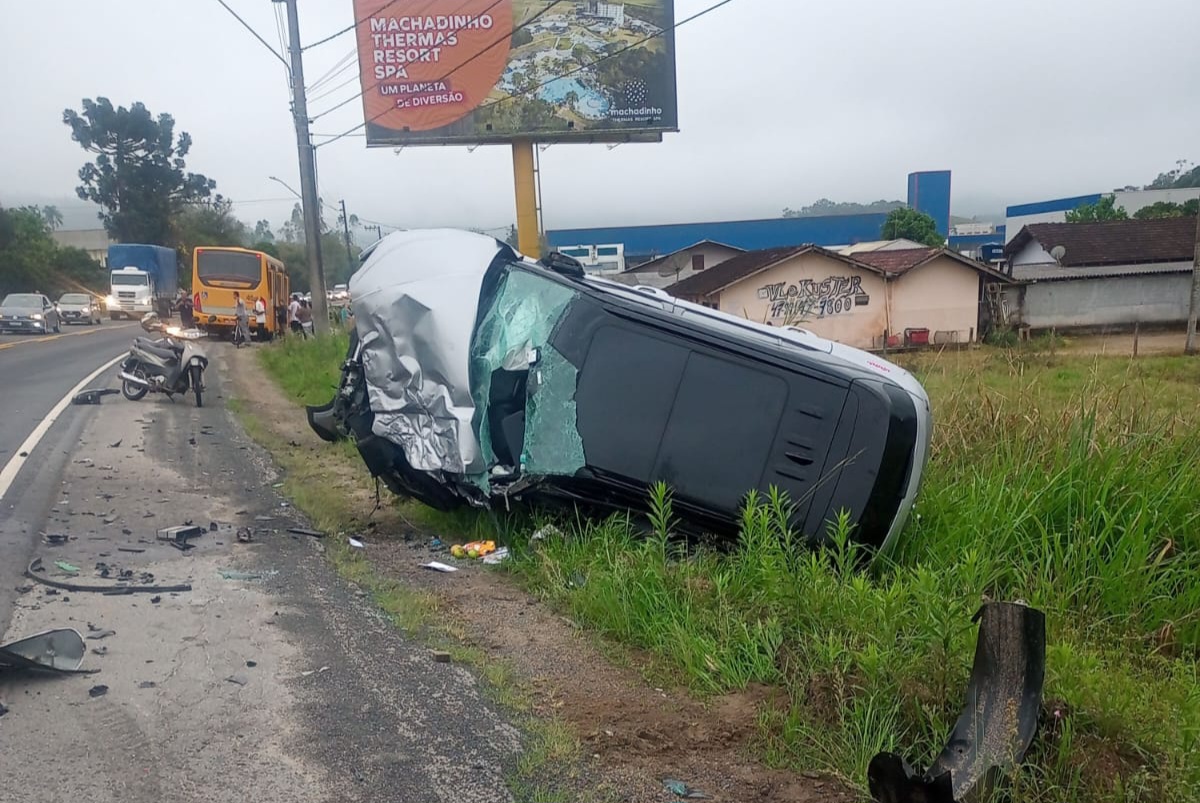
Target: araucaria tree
139,177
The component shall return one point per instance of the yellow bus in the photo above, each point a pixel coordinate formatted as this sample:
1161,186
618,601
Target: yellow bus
219,272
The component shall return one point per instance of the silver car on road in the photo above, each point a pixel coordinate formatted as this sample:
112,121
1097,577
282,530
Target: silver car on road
28,312
79,308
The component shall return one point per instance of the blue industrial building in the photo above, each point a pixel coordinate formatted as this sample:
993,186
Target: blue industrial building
928,192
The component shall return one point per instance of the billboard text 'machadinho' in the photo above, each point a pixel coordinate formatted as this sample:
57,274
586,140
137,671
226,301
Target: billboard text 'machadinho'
468,71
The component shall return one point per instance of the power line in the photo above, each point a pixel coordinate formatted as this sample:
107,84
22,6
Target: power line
332,90
253,32
350,27
445,77
343,64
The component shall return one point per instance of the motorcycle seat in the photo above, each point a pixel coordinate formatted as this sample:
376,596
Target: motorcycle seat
159,351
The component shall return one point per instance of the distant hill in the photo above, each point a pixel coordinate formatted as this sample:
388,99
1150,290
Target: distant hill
826,207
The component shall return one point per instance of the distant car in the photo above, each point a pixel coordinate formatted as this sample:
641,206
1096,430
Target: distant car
79,308
341,292
28,312
477,376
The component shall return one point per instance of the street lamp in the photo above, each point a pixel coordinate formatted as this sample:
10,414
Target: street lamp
286,186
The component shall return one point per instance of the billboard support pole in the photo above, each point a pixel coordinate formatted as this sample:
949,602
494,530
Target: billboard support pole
308,176
528,236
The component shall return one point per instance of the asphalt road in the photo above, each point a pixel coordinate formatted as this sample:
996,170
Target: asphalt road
270,680
35,373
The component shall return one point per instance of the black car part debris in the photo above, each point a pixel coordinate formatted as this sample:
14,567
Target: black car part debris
92,395
999,718
36,566
58,650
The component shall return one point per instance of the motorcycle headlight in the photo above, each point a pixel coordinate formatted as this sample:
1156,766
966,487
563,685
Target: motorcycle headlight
37,316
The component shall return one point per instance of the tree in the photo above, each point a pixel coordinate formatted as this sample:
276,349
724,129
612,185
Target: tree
263,233
824,206
292,231
907,223
1168,209
52,216
139,175
203,224
31,261
1102,210
1184,174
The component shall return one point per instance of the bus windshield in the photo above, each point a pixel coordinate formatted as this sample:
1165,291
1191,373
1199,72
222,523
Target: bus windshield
232,267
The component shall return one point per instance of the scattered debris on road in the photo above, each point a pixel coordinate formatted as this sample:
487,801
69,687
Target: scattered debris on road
440,656
306,531
36,566
98,691
59,650
999,718
680,789
147,684
92,395
55,539
67,567
244,535
237,680
439,567
100,634
354,542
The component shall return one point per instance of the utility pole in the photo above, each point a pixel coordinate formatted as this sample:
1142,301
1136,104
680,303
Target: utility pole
1192,346
308,175
346,229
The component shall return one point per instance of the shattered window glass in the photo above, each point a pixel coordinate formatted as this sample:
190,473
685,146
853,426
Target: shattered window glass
524,390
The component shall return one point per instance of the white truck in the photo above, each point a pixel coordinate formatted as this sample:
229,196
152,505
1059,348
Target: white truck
143,278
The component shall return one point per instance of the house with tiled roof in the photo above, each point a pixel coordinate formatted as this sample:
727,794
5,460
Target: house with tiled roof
868,299
1108,275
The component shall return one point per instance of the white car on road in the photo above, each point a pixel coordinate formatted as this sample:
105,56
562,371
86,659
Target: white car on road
79,308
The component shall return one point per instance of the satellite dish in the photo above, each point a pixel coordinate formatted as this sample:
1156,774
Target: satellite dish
1058,252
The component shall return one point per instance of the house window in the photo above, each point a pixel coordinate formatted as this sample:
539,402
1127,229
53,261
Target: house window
697,261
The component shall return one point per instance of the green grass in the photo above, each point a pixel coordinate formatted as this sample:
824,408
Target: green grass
1071,483
309,369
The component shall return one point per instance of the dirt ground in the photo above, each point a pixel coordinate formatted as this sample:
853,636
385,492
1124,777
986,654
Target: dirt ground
634,734
1121,345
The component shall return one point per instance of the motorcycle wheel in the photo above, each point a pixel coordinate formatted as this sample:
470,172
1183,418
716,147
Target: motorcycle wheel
133,392
197,385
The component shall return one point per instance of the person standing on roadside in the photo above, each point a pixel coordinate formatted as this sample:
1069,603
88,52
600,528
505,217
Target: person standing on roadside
293,308
183,305
241,332
260,317
304,316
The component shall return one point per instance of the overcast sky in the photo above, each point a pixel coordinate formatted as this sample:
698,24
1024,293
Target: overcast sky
781,103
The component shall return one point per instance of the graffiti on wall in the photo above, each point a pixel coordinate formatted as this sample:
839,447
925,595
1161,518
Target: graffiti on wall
797,301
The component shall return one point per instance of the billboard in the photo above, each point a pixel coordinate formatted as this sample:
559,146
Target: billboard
438,72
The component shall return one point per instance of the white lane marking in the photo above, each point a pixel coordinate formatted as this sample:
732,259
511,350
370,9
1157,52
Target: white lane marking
25,449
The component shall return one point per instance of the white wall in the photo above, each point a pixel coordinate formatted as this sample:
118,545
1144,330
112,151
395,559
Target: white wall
1032,254
1112,301
1133,201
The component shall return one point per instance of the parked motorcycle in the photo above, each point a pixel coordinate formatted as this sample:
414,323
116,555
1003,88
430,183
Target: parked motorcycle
172,364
